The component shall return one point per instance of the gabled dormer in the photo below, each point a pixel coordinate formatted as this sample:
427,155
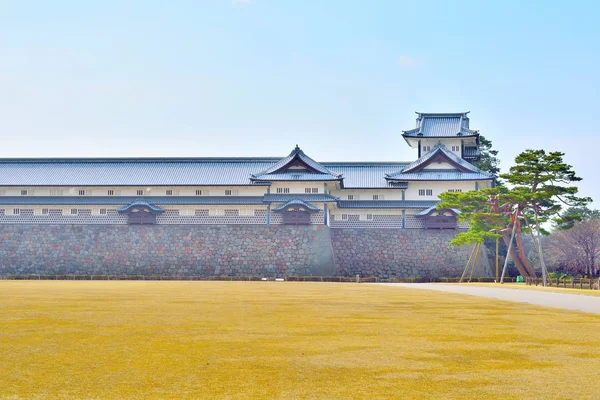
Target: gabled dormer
439,164
297,166
450,129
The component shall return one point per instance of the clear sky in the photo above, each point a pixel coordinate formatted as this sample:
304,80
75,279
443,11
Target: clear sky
254,77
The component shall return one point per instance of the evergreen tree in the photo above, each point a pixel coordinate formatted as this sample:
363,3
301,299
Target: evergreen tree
489,161
541,185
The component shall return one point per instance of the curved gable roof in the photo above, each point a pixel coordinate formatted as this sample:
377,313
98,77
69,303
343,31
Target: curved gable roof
282,170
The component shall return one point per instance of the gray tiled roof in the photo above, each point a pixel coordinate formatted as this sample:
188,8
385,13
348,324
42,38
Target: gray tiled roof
296,202
130,172
365,175
386,203
282,198
140,203
123,200
186,172
441,125
471,152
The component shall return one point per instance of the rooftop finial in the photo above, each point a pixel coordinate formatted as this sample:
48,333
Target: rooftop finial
297,148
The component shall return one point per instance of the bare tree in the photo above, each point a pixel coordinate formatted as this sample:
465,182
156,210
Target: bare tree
577,250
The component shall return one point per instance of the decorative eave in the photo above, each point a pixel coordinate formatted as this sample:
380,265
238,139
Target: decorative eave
296,203
310,169
140,203
427,212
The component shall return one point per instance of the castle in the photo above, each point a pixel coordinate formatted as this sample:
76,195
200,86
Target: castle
295,190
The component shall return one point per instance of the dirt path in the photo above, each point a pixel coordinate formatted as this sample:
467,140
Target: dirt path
578,302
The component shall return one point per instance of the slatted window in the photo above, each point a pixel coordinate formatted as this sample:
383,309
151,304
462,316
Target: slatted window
377,197
311,190
16,211
111,192
455,148
73,211
425,192
350,197
140,192
283,190
24,192
199,192
229,192
56,192
44,211
171,192
83,192
455,190
103,211
426,148
370,217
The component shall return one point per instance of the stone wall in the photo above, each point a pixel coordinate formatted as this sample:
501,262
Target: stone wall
212,250
401,253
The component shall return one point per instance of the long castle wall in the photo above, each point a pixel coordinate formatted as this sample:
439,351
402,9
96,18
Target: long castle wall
212,250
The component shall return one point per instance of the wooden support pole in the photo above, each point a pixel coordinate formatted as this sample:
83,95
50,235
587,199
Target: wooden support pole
467,266
497,261
478,247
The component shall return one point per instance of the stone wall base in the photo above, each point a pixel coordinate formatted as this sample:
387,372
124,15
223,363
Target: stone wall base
233,250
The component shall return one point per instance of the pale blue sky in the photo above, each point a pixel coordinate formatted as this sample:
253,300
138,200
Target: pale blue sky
340,78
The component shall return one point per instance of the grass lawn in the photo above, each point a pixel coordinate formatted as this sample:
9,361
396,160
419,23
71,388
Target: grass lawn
236,340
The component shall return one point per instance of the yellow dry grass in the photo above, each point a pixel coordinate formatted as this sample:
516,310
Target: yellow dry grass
178,340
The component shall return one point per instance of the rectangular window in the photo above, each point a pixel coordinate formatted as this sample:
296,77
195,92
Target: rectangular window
426,148
315,190
455,148
169,192
370,217
111,192
103,211
344,217
377,197
24,192
73,211
231,192
350,197
425,192
283,190
201,213
198,192
307,190
232,213
82,192
16,211
44,211
140,192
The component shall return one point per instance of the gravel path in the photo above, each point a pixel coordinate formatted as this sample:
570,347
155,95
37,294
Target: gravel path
578,302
